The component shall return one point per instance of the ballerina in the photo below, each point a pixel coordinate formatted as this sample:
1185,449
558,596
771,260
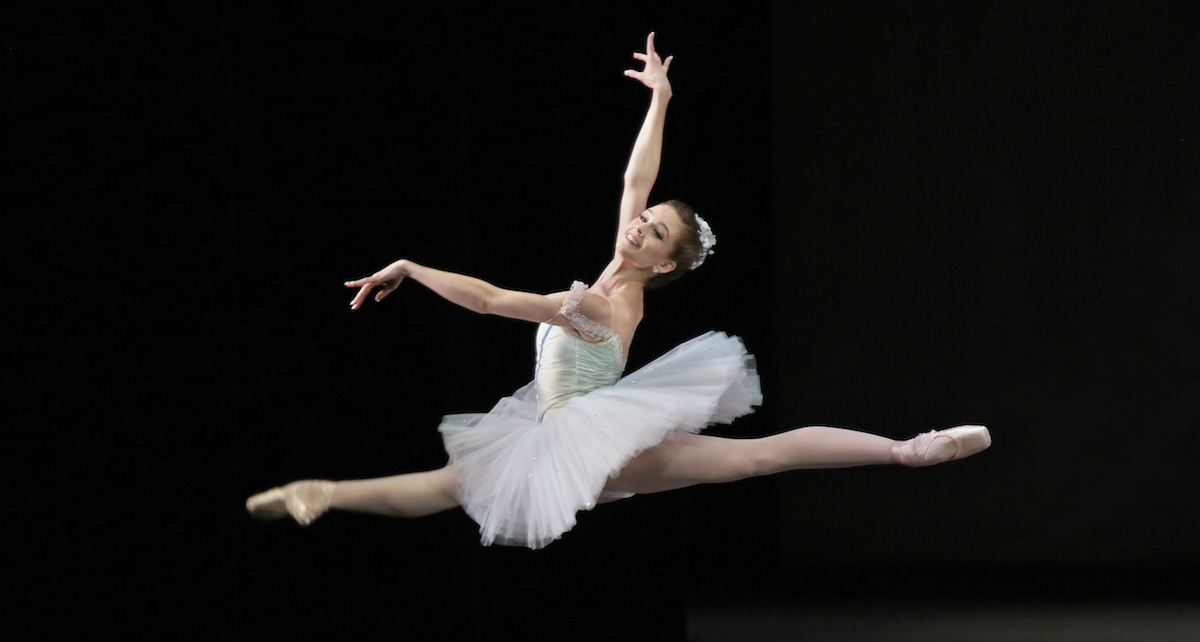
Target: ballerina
580,433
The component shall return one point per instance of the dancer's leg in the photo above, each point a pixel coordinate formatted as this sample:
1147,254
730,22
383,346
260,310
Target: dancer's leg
407,495
685,460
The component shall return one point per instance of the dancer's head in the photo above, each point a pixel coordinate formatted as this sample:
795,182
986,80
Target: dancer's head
669,239
690,247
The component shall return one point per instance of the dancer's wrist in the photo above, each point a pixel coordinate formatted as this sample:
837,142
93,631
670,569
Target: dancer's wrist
403,268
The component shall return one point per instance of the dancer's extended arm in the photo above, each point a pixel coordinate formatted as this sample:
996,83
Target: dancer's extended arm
642,171
473,294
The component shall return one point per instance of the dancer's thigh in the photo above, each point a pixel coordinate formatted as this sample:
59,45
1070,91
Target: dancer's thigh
445,480
685,459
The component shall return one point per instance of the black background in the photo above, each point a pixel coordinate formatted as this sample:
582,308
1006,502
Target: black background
928,214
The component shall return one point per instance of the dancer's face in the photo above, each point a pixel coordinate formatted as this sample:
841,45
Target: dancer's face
649,239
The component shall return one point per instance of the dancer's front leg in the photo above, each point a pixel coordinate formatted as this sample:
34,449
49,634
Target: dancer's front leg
685,460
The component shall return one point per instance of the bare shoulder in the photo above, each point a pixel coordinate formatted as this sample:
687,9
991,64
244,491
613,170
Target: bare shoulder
627,313
624,308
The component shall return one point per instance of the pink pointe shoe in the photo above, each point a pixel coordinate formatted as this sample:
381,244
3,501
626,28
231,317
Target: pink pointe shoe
304,500
939,446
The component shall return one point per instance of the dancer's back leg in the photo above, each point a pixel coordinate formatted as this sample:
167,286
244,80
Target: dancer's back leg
407,495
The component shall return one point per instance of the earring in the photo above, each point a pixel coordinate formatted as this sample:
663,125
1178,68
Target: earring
656,270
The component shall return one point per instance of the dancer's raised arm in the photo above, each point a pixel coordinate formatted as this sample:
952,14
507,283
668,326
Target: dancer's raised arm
647,149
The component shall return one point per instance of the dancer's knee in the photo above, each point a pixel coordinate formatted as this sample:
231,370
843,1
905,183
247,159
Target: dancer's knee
744,459
756,462
762,456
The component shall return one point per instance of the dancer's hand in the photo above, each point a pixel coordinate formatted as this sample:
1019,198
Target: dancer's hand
654,75
387,279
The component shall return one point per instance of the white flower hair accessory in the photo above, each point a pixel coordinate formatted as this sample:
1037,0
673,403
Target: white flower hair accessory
707,241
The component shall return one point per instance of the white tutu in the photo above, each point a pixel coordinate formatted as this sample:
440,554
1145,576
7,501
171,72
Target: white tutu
523,480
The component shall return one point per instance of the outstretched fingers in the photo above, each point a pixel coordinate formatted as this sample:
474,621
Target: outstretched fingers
654,71
361,296
365,285
633,73
386,290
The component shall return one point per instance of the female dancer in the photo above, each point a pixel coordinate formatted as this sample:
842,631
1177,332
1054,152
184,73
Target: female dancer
581,434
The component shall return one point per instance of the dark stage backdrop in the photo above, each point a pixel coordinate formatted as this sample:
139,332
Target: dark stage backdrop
987,213
927,216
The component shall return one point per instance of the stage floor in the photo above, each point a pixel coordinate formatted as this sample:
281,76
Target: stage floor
951,607
1029,623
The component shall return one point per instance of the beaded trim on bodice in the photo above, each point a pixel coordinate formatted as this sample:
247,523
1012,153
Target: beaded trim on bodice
591,330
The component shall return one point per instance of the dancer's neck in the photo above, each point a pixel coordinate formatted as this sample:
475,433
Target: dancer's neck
624,279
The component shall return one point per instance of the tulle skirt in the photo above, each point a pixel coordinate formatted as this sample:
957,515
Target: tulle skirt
523,480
